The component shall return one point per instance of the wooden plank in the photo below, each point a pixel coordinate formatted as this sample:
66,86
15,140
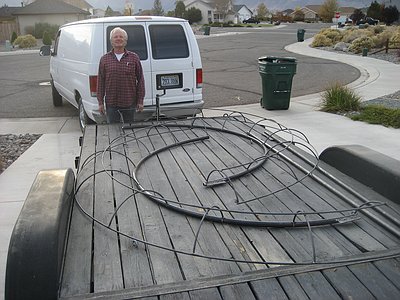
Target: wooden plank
107,272
237,291
316,286
203,160
268,288
391,269
347,284
207,243
361,237
292,288
135,263
78,258
375,281
165,265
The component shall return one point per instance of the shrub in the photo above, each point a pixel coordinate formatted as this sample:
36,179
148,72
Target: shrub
40,28
395,38
377,114
338,98
25,41
362,42
352,34
321,40
380,39
13,37
46,38
333,34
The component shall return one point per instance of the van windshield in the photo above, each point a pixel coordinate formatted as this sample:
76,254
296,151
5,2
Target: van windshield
136,40
168,41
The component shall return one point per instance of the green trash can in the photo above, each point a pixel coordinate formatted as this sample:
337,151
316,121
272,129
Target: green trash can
207,30
276,76
300,35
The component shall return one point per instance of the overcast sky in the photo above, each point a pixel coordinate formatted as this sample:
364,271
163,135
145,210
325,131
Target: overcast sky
114,4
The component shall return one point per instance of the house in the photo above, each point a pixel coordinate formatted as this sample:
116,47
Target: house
6,13
242,12
346,11
209,12
311,12
287,12
82,4
8,23
48,11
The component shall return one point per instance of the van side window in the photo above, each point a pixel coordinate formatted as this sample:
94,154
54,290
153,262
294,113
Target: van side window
168,41
136,40
56,43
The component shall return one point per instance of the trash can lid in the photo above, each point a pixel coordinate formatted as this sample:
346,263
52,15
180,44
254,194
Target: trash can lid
276,59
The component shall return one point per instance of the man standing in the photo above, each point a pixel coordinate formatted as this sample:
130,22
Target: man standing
120,81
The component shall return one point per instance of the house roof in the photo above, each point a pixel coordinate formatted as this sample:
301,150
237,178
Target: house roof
190,2
44,7
314,8
7,11
236,8
347,10
82,4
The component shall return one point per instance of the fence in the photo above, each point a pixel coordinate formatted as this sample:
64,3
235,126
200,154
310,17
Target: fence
387,47
6,30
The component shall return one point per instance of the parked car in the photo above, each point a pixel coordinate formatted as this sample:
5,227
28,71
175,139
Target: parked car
168,52
251,20
368,20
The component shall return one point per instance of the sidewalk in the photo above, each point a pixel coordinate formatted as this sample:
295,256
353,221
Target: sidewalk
58,146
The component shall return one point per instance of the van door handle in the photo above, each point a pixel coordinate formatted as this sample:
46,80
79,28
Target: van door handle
186,90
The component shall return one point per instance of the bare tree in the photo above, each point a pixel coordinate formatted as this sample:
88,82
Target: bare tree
328,9
222,7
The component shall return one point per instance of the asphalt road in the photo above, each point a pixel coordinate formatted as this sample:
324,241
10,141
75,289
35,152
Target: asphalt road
230,72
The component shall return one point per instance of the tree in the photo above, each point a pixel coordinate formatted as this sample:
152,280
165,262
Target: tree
180,9
262,11
298,15
375,10
109,12
193,15
222,7
46,38
328,9
157,8
390,14
357,15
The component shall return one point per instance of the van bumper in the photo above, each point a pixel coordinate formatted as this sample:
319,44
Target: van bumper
188,109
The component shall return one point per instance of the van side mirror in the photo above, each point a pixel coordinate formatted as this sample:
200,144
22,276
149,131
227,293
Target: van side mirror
45,50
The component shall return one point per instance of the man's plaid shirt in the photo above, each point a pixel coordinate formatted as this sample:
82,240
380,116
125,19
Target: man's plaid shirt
121,82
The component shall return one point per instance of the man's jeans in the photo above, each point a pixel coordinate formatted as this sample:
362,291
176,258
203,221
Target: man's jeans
120,114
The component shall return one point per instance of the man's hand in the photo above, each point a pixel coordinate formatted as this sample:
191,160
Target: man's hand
101,109
139,108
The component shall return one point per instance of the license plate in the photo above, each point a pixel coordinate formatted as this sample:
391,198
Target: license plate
169,81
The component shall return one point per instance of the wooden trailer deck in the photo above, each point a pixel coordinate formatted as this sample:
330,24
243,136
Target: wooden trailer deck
223,208
175,210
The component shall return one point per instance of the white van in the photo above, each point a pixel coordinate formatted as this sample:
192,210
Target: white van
168,52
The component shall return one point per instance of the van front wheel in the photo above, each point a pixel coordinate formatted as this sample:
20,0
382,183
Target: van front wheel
57,99
83,117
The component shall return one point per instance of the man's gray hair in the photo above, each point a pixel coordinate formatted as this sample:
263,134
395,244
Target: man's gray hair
121,30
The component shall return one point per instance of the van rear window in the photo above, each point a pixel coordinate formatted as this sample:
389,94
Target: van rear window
168,41
136,39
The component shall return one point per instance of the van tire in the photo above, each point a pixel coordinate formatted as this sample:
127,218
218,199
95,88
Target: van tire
83,117
57,99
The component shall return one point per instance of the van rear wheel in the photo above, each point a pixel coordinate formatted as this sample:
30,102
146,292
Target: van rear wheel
83,117
57,99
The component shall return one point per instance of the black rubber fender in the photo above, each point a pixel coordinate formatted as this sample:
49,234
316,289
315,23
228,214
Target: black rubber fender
373,169
37,244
